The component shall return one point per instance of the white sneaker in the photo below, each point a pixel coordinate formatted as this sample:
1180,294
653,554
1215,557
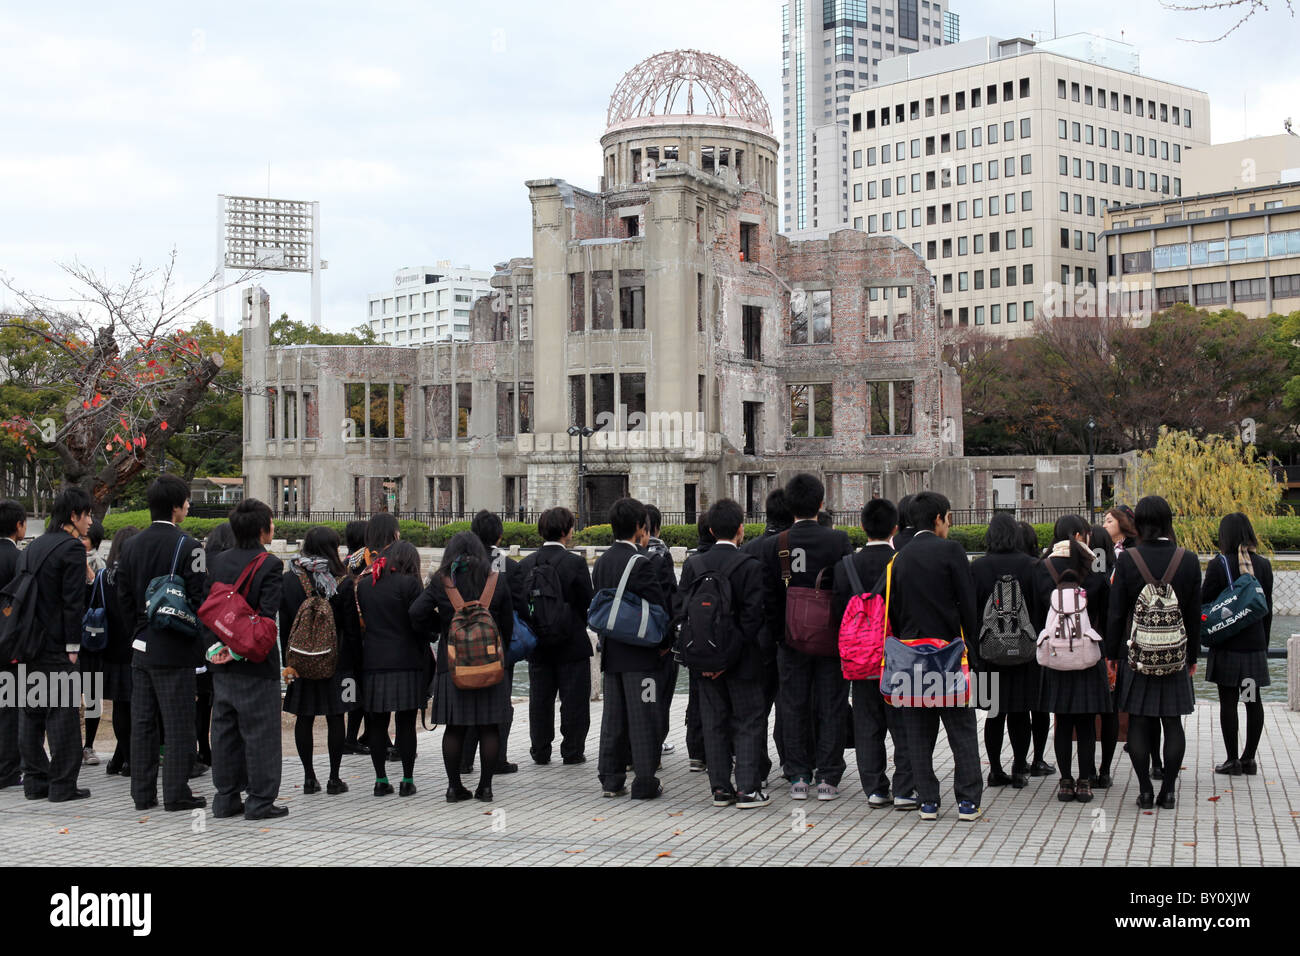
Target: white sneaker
669,748
89,758
697,766
799,790
827,791
878,800
747,801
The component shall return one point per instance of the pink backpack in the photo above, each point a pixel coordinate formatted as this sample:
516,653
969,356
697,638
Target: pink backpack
1068,642
864,628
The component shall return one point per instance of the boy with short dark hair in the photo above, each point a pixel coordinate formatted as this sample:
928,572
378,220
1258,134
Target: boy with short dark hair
13,528
731,700
560,667
812,687
871,717
630,723
246,750
59,563
933,596
163,683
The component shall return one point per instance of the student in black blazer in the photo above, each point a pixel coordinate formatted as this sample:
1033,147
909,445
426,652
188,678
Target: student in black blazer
396,664
162,670
632,675
246,751
731,701
933,596
666,568
490,532
777,515
1017,686
813,692
1154,701
317,566
1239,665
117,658
871,717
562,669
60,560
13,528
467,568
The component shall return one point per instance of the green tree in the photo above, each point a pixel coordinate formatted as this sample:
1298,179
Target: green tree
286,331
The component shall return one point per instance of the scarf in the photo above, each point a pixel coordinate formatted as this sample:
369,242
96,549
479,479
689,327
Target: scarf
318,569
1061,549
375,569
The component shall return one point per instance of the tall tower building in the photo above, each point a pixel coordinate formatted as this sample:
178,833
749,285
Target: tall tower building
829,49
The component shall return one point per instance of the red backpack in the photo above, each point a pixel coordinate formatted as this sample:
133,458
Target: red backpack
226,614
864,627
809,627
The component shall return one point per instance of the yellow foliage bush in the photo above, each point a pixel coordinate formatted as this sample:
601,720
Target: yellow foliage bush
1205,480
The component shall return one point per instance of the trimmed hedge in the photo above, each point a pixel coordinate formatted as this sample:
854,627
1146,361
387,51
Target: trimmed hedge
415,532
520,533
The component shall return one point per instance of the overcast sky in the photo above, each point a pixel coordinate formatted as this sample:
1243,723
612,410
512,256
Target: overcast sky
416,124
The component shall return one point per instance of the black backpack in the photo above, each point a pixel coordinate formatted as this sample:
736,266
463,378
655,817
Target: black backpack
710,639
19,638
549,614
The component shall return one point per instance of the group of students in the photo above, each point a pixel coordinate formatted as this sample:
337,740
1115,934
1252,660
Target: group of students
728,621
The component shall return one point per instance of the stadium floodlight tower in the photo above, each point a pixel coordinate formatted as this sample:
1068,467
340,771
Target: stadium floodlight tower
268,235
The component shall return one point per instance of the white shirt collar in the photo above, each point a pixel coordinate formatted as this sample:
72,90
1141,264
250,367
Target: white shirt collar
885,543
630,544
729,544
160,521
558,544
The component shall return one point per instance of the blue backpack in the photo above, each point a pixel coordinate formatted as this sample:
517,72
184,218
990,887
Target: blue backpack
617,614
94,623
522,643
1241,603
166,602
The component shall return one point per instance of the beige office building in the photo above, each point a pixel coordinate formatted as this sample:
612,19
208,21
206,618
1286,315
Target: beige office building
1237,249
996,161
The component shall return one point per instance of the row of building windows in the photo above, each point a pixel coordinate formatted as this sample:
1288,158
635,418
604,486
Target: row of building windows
973,209
974,281
1145,145
890,407
1131,104
943,178
1208,252
947,103
400,303
945,142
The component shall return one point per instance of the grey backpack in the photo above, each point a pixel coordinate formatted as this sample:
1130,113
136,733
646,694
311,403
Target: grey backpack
1006,635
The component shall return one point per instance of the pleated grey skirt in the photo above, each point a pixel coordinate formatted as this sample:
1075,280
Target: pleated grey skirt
1144,696
322,698
1075,692
384,692
1230,668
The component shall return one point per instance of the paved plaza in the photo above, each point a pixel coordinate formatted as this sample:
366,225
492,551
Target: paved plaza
555,816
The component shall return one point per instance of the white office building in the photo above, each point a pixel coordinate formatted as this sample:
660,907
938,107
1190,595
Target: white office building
829,49
997,159
427,304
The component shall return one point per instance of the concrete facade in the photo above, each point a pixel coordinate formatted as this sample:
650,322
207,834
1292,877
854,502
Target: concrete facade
997,160
716,356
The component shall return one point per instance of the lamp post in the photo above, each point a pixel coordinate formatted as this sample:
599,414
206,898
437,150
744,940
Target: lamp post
582,433
1092,468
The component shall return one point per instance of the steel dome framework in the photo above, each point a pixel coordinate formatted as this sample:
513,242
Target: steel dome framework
688,83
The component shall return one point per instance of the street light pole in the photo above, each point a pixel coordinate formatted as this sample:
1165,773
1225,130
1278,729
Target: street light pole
582,433
1092,469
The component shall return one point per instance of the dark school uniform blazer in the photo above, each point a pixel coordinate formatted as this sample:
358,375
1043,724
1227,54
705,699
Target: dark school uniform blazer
144,557
644,582
745,575
575,585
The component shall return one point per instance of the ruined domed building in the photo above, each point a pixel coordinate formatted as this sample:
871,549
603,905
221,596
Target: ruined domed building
713,356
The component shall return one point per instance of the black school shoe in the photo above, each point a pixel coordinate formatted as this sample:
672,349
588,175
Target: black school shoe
506,767
80,793
335,786
1249,767
723,798
236,811
1232,767
185,803
270,813
1041,768
998,779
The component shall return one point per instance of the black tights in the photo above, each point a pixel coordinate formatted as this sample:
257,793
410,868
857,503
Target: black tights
304,739
122,730
1018,726
1041,722
453,747
1144,736
1084,727
92,728
1229,697
377,739
354,726
203,722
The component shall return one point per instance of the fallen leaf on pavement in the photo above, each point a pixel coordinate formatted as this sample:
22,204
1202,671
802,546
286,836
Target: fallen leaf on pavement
572,851
597,819
665,853
1189,844
677,814
264,830
862,863
678,832
63,830
144,819
1212,799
